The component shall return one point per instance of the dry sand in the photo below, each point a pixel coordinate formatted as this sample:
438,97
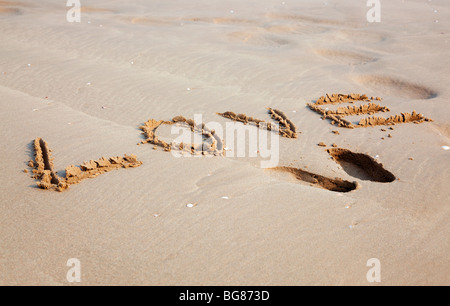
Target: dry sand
87,87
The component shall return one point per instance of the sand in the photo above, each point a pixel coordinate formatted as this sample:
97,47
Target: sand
337,117
43,168
87,88
285,127
211,144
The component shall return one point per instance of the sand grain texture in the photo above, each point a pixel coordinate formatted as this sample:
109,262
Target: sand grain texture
337,117
213,147
286,128
86,88
48,179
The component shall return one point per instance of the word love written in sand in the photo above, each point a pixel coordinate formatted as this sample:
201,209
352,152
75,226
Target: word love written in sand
337,116
43,168
212,144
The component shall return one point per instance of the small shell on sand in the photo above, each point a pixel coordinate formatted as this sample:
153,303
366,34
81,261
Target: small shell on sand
445,148
191,205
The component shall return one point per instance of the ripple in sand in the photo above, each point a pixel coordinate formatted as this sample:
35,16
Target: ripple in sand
258,38
295,29
223,20
395,87
286,127
304,19
12,3
150,21
346,57
90,9
9,11
361,36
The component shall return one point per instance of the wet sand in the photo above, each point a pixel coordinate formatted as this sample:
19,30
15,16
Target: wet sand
87,88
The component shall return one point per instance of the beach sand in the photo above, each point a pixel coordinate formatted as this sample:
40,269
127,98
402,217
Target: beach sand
86,88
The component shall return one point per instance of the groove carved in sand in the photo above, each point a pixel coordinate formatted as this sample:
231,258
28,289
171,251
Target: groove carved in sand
212,146
166,21
11,7
49,180
337,117
305,19
223,20
12,3
336,185
361,165
286,127
91,9
9,11
258,37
